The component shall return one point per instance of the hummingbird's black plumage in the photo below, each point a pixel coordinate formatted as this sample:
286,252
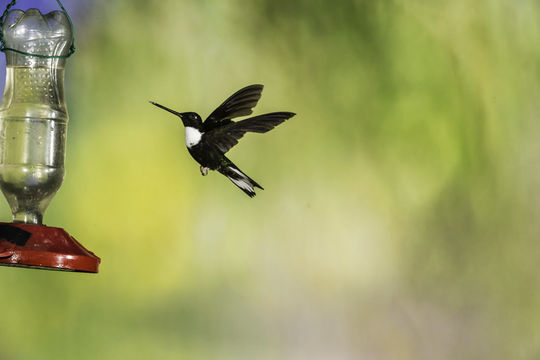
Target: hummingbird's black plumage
208,141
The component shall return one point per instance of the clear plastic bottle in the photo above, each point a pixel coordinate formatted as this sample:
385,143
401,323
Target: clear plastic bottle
33,114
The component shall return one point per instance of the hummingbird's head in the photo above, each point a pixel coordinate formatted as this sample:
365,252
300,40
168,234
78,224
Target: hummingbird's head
190,119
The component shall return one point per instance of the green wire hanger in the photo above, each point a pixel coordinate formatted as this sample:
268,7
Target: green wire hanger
3,41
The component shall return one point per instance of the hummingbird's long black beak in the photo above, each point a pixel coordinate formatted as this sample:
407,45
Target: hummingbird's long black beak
166,108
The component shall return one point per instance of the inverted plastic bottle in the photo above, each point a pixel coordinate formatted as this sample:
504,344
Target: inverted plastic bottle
33,113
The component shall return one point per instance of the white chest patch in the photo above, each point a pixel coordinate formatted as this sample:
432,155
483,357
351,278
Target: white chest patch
193,136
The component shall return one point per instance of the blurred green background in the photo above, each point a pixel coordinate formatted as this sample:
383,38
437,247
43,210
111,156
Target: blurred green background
399,219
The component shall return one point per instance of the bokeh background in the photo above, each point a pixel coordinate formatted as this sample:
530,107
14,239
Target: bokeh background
399,219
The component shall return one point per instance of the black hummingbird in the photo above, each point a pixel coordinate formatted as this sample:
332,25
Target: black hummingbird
208,141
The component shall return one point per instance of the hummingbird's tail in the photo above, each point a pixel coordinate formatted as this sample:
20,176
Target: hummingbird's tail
244,182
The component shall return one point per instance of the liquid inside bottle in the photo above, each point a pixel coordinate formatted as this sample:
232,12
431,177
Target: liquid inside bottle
33,123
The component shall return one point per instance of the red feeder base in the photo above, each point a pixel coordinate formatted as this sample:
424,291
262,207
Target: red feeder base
44,247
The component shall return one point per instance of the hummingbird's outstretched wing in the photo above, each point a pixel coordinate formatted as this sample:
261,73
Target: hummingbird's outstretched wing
226,136
238,104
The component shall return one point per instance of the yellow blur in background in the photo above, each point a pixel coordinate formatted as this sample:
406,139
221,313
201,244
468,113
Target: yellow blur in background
399,216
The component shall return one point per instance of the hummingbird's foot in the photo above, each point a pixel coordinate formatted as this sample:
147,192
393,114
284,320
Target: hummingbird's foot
204,171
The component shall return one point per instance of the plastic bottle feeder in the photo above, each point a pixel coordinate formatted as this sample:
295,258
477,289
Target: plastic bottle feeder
33,125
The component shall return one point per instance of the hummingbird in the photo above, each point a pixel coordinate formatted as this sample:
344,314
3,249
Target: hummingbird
208,141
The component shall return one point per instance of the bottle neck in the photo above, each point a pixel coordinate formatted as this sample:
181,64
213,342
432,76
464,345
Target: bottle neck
28,217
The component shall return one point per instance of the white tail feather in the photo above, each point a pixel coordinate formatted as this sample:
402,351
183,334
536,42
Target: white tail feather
242,184
240,179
